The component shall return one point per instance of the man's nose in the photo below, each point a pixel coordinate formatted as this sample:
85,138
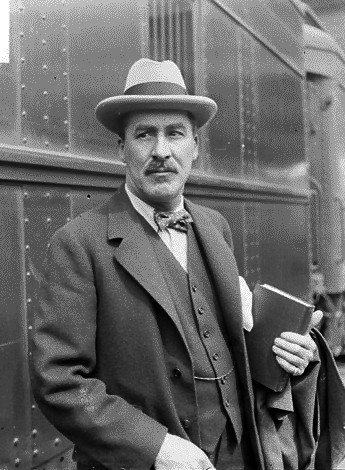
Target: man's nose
161,149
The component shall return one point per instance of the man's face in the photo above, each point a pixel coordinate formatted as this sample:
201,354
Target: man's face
159,149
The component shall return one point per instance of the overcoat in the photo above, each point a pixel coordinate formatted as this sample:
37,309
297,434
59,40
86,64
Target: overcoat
108,338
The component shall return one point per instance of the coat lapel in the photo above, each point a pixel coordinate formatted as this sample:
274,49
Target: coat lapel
136,254
223,267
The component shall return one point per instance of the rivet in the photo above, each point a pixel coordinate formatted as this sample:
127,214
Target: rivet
28,274
15,441
64,50
44,42
23,113
22,60
44,17
63,26
68,195
30,327
68,219
26,195
66,146
25,140
57,441
17,462
65,74
46,118
47,194
243,146
49,220
46,143
35,452
29,301
65,98
45,67
21,8
27,247
33,407
45,93
65,122
26,220
21,34
34,433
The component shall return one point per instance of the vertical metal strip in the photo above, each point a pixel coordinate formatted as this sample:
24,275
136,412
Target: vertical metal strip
170,35
154,28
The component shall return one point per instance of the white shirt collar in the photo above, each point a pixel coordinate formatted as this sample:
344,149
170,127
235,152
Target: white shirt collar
144,209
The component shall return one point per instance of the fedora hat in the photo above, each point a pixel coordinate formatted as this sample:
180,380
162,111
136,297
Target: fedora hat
153,85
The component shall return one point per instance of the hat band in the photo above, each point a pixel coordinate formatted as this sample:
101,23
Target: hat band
156,88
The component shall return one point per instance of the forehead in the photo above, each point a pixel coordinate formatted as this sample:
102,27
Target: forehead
158,119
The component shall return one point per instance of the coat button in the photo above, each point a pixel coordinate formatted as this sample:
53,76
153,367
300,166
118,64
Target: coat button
201,310
185,423
206,334
177,373
194,288
227,403
215,356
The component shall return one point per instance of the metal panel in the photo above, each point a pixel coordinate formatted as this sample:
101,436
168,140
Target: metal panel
222,84
276,23
279,121
14,389
105,38
82,201
44,75
284,247
45,210
9,79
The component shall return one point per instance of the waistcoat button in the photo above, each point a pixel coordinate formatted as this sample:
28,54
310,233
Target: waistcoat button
185,423
177,373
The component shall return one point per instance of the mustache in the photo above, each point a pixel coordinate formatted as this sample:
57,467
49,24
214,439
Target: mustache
153,167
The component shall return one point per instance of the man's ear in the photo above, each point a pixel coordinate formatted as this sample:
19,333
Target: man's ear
196,147
120,152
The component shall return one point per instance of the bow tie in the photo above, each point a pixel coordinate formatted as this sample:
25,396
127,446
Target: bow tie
178,220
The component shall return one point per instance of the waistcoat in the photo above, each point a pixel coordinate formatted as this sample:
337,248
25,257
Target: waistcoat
201,318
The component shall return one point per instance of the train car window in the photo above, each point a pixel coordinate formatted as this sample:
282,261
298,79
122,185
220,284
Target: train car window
171,35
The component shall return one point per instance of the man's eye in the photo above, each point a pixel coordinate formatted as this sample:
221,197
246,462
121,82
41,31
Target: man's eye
143,135
176,133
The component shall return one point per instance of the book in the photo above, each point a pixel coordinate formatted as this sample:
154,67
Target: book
274,311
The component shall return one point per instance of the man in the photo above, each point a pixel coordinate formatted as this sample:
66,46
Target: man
139,354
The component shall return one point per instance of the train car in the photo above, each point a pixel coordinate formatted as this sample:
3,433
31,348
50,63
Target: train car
57,161
325,114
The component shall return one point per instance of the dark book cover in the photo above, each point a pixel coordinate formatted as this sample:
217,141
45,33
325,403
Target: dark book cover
274,311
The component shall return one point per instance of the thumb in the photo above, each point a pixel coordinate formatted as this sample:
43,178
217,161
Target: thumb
316,318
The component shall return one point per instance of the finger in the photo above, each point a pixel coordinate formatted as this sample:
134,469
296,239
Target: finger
302,340
316,318
291,369
306,351
293,359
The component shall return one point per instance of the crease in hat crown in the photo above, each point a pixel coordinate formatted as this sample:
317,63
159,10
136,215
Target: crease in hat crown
147,70
152,86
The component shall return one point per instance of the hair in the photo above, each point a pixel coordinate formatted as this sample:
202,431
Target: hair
124,118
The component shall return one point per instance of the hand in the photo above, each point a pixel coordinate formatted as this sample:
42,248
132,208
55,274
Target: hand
294,351
179,454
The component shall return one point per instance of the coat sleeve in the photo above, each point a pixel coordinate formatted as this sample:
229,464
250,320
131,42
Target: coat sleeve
105,427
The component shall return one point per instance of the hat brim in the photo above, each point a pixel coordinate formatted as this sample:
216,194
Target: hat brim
110,110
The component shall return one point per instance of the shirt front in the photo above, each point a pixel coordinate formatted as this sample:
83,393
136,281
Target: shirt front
175,240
